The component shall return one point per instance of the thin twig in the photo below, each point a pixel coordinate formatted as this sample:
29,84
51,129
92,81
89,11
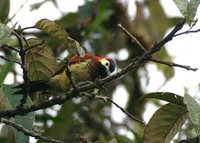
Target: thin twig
105,98
193,24
31,27
33,46
9,60
172,64
12,48
68,72
28,132
132,37
151,58
22,54
168,38
69,75
187,32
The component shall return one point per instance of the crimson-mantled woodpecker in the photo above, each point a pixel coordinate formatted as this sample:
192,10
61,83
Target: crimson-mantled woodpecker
87,68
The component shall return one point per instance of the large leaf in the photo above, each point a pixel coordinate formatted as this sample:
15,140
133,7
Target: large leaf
192,9
188,9
166,96
182,6
60,34
26,121
194,112
41,62
165,123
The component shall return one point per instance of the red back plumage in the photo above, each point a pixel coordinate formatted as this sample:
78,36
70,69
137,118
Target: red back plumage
77,58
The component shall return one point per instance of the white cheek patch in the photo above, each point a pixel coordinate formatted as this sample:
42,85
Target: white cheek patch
106,63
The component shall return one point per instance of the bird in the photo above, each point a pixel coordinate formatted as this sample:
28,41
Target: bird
82,69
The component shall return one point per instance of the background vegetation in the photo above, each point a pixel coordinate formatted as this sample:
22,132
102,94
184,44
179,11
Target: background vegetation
95,28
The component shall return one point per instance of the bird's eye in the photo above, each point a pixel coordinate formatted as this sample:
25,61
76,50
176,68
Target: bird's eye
107,64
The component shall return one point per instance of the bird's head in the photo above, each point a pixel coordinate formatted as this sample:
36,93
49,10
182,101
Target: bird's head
98,66
106,66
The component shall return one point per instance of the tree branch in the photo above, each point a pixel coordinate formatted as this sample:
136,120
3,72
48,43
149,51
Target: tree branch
132,37
168,38
22,54
11,48
157,48
28,132
9,60
172,64
135,63
187,32
33,46
105,98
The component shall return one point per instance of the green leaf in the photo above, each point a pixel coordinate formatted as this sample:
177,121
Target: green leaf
194,112
5,32
188,9
182,6
25,121
192,9
40,60
41,63
166,96
60,34
4,10
165,123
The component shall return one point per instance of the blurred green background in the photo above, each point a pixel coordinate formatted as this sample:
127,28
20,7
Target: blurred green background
94,26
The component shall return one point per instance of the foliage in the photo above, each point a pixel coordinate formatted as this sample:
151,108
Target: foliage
80,119
11,102
194,112
59,33
188,9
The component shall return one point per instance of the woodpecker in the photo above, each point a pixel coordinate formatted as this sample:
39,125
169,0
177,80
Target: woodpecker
87,68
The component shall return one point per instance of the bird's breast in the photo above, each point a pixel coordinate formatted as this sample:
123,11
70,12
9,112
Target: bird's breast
80,72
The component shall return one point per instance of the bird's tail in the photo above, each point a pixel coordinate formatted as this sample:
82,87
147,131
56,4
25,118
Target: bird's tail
34,86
